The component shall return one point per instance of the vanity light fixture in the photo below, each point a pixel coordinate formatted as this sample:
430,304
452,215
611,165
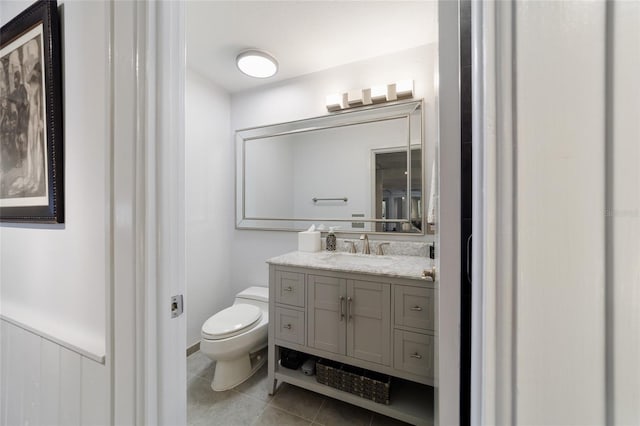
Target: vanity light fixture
376,94
404,89
334,102
354,98
257,63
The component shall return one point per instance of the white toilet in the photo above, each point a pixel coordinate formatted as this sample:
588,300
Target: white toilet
234,334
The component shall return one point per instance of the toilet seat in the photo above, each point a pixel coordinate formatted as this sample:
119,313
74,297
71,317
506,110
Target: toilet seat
231,321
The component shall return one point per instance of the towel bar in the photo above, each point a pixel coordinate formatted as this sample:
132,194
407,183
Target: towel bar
315,199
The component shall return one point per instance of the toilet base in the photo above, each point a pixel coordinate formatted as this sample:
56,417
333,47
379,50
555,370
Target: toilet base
231,373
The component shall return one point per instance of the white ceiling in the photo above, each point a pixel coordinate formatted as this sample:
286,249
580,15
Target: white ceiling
304,36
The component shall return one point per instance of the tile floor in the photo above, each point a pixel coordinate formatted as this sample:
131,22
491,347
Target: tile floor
251,404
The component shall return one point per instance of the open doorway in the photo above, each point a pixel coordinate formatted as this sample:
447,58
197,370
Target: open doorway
222,260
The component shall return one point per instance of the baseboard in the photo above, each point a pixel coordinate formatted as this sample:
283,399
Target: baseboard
193,348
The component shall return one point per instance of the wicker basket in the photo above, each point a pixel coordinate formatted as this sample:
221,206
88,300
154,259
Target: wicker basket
358,381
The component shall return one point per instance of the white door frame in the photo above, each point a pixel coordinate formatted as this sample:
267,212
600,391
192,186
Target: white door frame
448,153
167,182
147,59
493,246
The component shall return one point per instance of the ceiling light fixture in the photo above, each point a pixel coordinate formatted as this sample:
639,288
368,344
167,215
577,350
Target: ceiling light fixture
257,63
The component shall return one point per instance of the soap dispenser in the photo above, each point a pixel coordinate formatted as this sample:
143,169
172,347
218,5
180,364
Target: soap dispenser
331,239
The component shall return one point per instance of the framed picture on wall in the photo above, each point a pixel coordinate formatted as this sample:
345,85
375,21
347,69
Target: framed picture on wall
31,151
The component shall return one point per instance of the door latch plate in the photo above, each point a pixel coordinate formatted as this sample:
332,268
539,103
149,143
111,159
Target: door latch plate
177,306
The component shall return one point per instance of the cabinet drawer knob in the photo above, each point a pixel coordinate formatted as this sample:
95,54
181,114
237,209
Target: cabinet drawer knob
287,326
416,356
288,288
416,308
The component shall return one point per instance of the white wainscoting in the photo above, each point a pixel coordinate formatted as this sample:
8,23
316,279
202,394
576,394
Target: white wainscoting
43,383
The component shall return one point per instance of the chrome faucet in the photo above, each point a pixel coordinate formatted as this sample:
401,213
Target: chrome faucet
379,249
351,245
365,244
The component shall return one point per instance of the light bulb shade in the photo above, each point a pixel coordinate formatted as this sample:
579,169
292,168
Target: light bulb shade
334,102
257,63
378,93
354,97
404,89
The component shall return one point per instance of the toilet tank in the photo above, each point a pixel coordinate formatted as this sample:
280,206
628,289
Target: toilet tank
258,296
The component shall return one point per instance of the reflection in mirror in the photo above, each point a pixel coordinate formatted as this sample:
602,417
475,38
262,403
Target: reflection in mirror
391,200
347,170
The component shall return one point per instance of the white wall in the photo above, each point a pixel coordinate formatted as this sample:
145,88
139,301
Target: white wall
304,97
560,68
209,198
53,279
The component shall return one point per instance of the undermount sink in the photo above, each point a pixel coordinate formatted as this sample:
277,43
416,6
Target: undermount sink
339,258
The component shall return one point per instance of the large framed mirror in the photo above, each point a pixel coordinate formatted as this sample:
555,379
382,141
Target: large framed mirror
361,170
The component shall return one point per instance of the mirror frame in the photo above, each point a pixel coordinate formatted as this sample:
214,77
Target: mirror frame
355,116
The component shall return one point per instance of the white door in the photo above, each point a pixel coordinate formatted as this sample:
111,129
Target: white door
167,32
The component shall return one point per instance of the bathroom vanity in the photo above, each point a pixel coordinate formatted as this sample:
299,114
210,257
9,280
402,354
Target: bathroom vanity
367,311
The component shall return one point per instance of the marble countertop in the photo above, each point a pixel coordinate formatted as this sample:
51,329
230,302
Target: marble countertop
392,266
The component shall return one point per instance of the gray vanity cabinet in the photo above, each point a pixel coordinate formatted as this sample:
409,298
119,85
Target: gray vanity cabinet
384,324
349,317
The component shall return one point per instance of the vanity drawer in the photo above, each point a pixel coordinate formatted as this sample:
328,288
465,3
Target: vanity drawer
290,288
414,307
413,353
290,325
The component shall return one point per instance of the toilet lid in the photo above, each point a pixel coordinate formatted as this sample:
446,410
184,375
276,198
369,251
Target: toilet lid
231,321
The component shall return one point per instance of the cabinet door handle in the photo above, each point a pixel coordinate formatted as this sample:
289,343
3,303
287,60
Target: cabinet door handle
416,356
288,288
288,327
469,258
416,308
341,308
349,301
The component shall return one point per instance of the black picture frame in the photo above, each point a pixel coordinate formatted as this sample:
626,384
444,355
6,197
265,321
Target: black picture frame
31,139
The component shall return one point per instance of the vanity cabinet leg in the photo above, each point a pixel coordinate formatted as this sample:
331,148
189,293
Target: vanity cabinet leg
273,356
